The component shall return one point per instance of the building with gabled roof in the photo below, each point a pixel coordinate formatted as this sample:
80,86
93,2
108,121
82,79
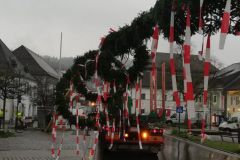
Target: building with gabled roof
36,64
47,79
11,66
197,77
227,83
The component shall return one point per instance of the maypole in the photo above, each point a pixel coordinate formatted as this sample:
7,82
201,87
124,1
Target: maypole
205,92
155,37
172,63
187,60
225,24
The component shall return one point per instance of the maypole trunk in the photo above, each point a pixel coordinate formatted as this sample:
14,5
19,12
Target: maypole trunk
205,92
155,37
225,24
187,55
172,63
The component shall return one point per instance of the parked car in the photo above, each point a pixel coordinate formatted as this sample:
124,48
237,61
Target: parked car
231,124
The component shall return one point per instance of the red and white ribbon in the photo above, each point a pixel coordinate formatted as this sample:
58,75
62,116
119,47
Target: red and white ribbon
106,87
84,144
99,105
54,135
112,134
187,57
154,47
107,120
205,88
61,143
225,24
200,25
97,58
140,99
71,94
120,124
137,97
93,149
77,125
114,87
172,63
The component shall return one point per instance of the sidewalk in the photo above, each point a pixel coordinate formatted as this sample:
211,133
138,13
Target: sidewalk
34,144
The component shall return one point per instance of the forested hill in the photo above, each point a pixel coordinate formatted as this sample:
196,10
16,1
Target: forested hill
66,62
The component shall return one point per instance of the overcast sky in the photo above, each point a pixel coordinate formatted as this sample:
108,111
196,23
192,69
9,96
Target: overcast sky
37,25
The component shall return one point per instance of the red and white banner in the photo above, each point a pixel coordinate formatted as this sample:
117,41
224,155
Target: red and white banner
225,24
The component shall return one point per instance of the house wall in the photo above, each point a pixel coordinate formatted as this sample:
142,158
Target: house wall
215,104
233,102
26,106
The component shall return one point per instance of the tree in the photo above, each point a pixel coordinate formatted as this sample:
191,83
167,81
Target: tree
11,84
129,40
45,96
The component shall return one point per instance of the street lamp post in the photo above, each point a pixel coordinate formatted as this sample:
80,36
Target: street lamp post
85,66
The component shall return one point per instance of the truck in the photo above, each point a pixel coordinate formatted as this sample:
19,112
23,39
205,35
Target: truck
151,137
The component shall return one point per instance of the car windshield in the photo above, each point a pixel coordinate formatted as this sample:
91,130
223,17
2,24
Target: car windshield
233,120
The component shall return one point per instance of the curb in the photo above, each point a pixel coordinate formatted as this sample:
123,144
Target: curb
205,147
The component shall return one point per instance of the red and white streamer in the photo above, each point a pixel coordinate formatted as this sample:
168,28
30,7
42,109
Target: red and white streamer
84,144
114,87
61,143
71,94
137,97
112,134
93,148
187,57
200,25
172,63
54,135
225,24
99,105
154,47
205,88
77,125
120,124
107,120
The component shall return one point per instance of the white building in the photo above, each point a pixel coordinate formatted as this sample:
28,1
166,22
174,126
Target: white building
10,65
197,76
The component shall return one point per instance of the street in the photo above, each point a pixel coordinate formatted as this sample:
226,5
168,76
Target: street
35,145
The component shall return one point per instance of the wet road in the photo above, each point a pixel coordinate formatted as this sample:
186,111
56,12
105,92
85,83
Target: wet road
172,150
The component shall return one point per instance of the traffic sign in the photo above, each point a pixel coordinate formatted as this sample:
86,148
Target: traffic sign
179,109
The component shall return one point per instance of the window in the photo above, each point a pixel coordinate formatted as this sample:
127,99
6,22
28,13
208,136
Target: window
214,99
174,115
237,101
142,111
231,100
165,97
143,96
